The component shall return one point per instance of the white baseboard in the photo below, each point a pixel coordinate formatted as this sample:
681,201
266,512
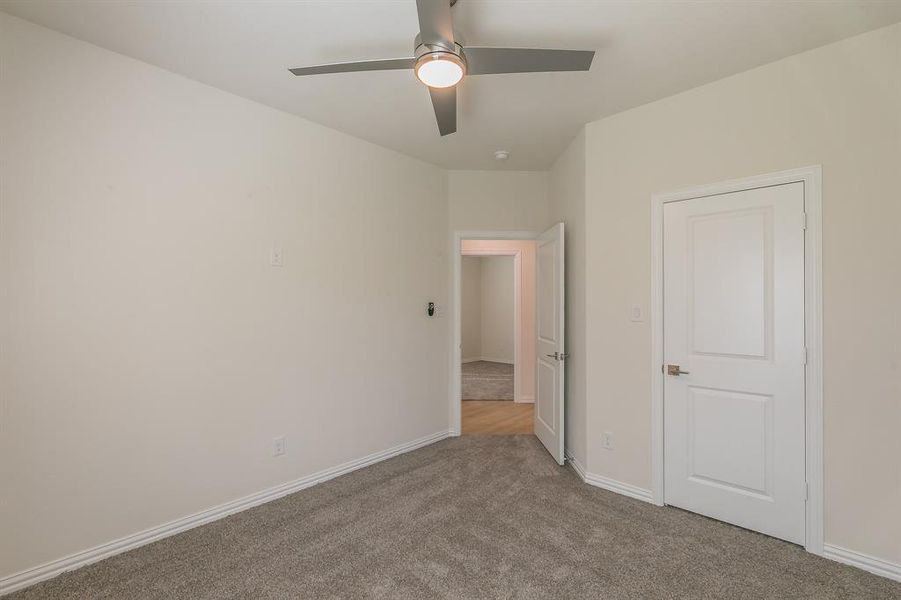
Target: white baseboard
860,560
497,360
53,568
575,464
863,561
612,485
487,359
526,400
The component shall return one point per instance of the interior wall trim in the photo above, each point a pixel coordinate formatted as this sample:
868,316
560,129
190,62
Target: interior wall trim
575,464
619,487
505,361
606,483
874,565
71,562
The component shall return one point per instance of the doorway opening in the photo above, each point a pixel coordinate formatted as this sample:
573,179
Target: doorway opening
497,337
539,316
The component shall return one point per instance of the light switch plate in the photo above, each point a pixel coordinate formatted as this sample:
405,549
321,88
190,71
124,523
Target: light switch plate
276,257
636,313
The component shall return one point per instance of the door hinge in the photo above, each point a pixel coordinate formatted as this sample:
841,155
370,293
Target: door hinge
806,491
804,356
803,220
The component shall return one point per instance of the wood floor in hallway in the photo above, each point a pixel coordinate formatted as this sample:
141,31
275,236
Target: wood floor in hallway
496,417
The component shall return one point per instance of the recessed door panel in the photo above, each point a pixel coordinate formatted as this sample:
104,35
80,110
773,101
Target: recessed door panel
731,283
546,294
547,383
730,439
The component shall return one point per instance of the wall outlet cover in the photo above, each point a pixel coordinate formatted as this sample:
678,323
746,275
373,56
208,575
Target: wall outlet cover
276,257
279,446
607,440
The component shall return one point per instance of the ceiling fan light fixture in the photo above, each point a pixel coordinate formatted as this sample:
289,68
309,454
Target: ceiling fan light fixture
440,69
440,62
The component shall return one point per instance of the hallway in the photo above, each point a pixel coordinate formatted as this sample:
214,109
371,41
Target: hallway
498,418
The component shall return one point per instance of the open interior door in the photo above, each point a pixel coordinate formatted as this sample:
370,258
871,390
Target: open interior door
550,348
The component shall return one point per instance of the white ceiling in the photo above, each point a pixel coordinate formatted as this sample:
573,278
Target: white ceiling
646,50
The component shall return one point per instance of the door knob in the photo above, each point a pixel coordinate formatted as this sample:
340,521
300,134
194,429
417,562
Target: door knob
675,370
554,355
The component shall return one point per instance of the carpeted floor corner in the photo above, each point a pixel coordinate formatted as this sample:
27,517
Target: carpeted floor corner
469,517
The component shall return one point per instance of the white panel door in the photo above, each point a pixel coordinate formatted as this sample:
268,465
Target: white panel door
549,330
733,320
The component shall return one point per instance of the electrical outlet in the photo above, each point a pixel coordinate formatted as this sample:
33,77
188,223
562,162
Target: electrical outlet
276,257
279,446
607,440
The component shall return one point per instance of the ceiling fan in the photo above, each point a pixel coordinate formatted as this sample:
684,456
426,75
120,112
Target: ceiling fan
440,63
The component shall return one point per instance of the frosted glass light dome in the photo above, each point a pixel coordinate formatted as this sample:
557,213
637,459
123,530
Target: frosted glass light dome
439,69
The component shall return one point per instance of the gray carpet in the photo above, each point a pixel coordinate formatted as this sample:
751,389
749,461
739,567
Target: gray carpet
486,380
471,517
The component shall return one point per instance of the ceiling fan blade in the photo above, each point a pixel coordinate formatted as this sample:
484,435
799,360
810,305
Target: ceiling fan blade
444,101
486,61
387,64
435,23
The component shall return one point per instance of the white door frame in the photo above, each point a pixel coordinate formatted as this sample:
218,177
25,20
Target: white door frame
455,401
811,177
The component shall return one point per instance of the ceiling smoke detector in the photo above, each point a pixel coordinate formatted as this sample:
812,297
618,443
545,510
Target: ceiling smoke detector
501,155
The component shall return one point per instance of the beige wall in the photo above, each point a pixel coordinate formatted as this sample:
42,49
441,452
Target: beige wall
150,353
108,243
566,203
487,309
471,307
497,308
840,107
498,200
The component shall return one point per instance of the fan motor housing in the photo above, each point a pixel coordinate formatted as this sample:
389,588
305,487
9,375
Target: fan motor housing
424,50
419,48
